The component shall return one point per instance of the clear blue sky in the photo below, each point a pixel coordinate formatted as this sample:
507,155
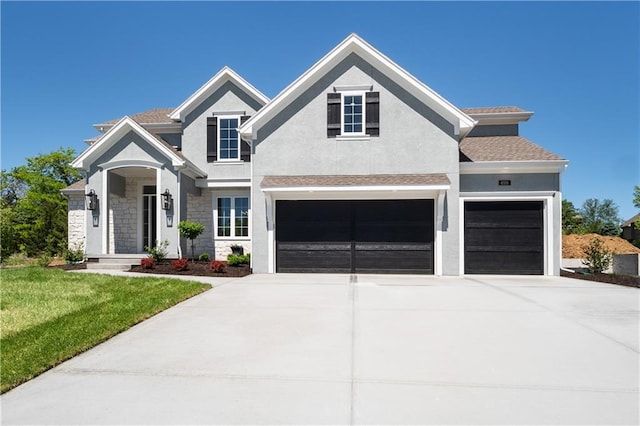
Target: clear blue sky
66,66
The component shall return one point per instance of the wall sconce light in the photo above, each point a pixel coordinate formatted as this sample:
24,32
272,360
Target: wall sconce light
167,200
92,200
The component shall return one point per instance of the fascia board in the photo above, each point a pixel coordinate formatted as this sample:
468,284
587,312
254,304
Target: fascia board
225,74
223,183
354,44
490,167
502,118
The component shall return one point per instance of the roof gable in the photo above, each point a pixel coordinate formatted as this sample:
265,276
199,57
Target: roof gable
117,132
224,75
461,122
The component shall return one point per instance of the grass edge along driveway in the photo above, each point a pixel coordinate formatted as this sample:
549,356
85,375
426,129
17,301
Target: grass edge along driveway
49,315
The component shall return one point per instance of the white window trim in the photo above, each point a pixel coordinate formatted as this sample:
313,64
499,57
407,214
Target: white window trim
219,130
233,212
349,135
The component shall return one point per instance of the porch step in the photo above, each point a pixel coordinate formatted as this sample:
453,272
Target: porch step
114,262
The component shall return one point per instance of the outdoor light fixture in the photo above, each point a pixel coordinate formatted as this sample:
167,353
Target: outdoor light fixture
167,200
92,200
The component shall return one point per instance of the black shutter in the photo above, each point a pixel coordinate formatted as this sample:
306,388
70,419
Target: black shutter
333,114
373,113
212,139
245,148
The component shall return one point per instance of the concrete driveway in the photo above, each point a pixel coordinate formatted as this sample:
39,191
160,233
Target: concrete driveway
335,349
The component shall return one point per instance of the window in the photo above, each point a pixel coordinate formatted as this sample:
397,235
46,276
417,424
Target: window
228,145
223,140
232,217
353,114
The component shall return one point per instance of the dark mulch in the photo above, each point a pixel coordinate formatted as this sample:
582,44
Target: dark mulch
624,280
66,267
198,268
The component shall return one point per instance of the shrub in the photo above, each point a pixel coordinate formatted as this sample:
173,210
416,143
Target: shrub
74,255
204,257
180,264
236,260
217,266
44,260
596,256
147,263
158,252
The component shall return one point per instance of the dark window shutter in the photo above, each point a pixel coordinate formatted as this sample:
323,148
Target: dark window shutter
333,114
212,139
373,113
245,148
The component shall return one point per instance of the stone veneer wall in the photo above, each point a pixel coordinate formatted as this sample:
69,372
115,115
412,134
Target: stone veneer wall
75,221
123,217
200,209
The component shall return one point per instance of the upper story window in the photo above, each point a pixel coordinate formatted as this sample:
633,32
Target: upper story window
228,148
353,114
223,139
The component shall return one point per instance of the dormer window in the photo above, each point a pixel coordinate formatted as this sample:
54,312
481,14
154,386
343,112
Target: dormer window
353,113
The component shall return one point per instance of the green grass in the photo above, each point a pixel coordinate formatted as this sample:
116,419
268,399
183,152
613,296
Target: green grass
48,315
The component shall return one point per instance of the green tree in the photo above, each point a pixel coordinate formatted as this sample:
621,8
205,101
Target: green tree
636,203
191,231
600,217
34,211
571,219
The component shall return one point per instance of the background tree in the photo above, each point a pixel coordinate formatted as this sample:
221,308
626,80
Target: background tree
600,217
571,219
636,203
34,212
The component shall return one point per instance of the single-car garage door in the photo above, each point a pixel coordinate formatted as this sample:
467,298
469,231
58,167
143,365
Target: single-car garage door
368,236
503,237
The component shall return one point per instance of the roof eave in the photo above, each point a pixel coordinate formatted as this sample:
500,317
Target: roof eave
501,117
525,166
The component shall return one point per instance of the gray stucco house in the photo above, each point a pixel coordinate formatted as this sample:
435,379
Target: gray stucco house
355,167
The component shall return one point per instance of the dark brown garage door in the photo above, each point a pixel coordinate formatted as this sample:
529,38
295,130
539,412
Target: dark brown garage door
380,236
503,237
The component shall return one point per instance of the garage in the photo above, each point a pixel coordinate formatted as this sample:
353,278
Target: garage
355,236
504,237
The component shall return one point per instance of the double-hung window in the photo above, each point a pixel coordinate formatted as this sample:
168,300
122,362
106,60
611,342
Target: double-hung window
353,113
229,146
223,139
232,217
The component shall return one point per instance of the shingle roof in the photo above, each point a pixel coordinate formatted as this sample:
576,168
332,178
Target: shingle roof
492,110
631,221
75,187
503,148
355,180
152,116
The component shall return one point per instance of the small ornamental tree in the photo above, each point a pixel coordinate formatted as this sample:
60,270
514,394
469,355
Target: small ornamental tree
597,257
191,231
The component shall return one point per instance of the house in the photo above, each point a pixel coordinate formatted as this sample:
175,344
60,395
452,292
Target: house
355,167
629,230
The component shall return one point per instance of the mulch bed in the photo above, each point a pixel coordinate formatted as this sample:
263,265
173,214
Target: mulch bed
624,280
198,268
67,267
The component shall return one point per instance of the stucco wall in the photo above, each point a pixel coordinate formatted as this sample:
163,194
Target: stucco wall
228,98
413,139
199,209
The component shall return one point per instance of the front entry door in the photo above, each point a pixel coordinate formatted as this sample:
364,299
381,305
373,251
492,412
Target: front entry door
149,216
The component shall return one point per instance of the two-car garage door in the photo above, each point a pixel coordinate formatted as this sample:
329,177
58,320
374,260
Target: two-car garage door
355,236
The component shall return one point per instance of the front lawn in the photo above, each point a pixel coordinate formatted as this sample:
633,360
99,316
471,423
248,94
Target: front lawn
49,315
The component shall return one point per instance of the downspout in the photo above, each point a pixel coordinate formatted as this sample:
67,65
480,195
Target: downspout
177,210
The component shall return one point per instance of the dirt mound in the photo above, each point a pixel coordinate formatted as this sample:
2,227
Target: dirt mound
572,245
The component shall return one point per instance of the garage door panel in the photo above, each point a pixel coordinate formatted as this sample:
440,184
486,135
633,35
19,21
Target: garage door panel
381,236
504,237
